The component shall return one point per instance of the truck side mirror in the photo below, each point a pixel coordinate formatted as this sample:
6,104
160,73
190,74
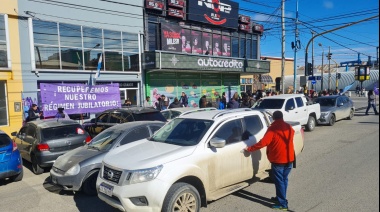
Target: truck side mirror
217,142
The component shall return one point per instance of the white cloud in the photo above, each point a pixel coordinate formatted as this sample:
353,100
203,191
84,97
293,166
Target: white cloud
261,17
328,4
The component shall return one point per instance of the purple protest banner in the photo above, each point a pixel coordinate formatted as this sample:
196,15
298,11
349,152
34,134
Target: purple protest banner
79,98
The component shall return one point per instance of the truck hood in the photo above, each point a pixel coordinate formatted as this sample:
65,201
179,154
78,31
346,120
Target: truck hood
76,156
145,154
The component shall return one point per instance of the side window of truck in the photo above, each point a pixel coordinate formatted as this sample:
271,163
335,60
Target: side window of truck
299,102
230,131
290,104
253,124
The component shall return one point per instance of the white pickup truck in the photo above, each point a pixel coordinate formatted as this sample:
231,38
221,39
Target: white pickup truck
295,107
193,159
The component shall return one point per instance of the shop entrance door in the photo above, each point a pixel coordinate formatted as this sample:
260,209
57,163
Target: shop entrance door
132,94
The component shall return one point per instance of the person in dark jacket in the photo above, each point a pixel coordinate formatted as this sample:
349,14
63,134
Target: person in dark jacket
202,102
224,99
158,104
184,100
175,104
280,152
371,102
233,103
34,113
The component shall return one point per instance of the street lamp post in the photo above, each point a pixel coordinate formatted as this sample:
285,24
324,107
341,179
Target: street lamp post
323,52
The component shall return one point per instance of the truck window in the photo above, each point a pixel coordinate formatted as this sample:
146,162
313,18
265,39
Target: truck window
299,102
290,104
270,104
253,124
230,131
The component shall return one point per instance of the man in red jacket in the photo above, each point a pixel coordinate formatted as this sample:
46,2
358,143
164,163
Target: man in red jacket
280,152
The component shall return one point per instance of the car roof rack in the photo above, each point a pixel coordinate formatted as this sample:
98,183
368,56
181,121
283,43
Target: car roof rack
197,110
224,112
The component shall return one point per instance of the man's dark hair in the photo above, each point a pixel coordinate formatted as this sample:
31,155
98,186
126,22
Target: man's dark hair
277,115
34,105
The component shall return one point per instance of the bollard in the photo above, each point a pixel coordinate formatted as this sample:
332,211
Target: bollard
365,93
349,93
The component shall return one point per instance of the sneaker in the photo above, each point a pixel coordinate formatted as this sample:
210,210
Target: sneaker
274,199
279,207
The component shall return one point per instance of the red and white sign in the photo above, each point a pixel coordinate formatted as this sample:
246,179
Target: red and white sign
245,27
155,4
176,3
244,19
258,28
176,12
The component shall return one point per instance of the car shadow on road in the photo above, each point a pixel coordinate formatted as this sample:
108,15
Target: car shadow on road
82,201
255,198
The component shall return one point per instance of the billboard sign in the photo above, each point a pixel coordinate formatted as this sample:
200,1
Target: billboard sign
170,37
223,13
79,98
178,13
155,5
176,3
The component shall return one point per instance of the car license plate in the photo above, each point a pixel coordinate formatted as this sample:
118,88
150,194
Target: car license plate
106,189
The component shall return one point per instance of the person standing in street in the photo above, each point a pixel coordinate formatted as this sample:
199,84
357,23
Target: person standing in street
280,152
371,102
175,104
147,102
33,114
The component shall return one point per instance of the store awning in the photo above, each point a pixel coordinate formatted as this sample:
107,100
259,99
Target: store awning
266,79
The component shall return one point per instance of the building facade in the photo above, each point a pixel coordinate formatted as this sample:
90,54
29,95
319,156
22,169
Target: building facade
63,42
200,48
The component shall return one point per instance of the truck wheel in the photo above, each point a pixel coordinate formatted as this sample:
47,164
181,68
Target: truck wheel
332,120
36,168
351,116
182,197
89,184
310,124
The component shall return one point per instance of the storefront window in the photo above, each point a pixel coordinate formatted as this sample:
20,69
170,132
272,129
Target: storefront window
235,47
242,46
153,36
254,48
249,49
3,104
73,47
3,44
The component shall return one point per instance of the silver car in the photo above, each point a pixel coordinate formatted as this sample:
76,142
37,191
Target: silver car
335,108
78,169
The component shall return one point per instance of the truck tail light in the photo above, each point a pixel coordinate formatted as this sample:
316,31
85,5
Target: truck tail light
88,139
303,134
14,146
80,131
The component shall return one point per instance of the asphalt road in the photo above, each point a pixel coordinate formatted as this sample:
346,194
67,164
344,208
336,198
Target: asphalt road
337,171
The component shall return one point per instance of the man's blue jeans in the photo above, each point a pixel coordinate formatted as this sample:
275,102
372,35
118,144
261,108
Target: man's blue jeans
280,177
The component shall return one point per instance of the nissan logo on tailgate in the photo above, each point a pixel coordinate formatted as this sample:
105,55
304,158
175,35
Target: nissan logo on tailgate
110,174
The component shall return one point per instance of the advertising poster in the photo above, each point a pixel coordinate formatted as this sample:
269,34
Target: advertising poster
192,90
216,39
170,37
79,98
207,45
196,37
185,41
163,87
226,50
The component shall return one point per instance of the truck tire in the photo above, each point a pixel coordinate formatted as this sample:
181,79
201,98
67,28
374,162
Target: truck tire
182,197
332,120
310,124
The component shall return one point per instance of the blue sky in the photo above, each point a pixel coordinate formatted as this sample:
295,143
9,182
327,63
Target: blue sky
320,16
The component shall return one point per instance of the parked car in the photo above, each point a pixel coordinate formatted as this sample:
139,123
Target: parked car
113,117
41,142
78,169
295,107
334,108
10,159
175,112
193,159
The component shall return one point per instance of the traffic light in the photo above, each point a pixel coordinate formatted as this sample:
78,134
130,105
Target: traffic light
329,56
309,69
278,83
338,75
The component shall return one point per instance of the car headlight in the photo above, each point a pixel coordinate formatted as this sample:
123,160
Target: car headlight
325,114
73,170
144,175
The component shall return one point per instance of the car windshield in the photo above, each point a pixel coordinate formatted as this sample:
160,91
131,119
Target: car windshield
54,133
269,104
105,140
325,102
182,132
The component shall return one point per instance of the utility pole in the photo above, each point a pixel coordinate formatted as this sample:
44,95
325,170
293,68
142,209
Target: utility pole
312,58
323,52
329,80
331,30
283,46
295,46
